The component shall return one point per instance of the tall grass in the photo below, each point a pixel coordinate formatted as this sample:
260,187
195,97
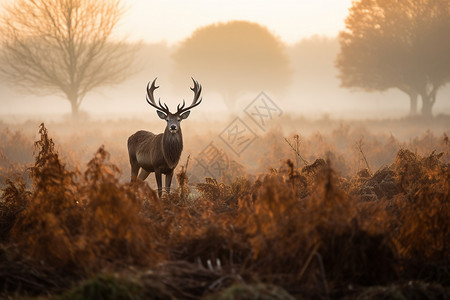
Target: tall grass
305,233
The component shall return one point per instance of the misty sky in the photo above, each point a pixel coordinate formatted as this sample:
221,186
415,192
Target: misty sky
174,20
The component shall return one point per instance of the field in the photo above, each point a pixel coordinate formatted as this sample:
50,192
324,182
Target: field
319,209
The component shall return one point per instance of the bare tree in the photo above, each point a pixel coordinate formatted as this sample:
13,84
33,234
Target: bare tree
63,47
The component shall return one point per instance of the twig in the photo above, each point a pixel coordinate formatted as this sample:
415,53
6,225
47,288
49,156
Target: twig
359,145
187,163
322,271
296,150
307,262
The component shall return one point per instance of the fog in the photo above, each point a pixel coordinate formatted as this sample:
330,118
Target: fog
313,91
236,53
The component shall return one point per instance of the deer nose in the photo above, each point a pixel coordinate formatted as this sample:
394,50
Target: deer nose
173,127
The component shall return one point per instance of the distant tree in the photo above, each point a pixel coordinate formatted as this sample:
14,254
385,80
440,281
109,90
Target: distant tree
234,57
403,44
63,47
312,60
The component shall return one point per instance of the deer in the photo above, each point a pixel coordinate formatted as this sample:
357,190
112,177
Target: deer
160,153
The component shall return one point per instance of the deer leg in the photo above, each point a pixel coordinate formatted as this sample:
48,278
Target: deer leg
143,174
168,181
134,173
134,169
159,182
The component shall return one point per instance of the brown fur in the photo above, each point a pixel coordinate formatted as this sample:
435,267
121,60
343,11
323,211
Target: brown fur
160,153
155,153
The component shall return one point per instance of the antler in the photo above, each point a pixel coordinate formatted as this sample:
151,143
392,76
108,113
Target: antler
197,89
151,100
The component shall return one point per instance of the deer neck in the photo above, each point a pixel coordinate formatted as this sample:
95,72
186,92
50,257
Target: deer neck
172,147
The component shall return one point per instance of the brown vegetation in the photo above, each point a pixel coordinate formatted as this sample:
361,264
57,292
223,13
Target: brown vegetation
288,233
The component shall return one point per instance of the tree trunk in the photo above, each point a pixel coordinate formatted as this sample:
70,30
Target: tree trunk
413,104
413,99
426,107
427,104
75,106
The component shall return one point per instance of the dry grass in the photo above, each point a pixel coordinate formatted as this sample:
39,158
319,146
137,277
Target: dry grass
311,232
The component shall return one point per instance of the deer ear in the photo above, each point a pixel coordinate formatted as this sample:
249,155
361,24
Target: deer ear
161,114
185,115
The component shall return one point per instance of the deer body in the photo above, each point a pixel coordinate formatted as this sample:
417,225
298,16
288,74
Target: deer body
160,153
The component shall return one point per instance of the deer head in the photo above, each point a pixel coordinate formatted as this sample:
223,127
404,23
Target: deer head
173,119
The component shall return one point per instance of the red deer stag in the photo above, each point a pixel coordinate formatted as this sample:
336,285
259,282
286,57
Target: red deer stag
160,153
